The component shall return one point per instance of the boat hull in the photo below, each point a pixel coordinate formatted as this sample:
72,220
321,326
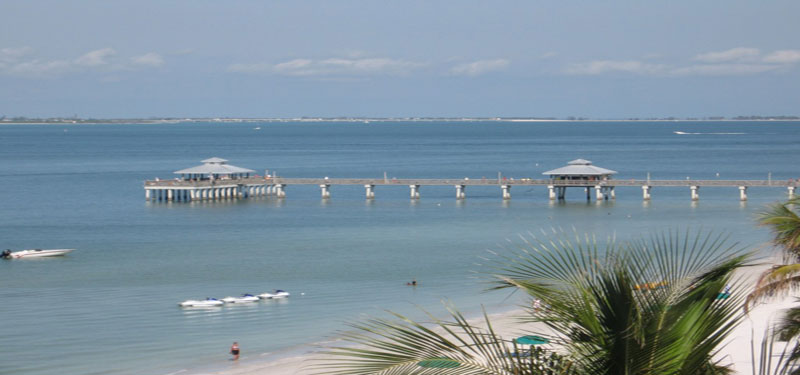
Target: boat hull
39,253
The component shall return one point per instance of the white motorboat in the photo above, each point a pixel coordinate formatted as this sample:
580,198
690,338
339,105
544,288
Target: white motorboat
276,294
208,302
35,253
245,298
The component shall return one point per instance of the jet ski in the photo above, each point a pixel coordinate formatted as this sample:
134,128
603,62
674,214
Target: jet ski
245,298
276,294
208,302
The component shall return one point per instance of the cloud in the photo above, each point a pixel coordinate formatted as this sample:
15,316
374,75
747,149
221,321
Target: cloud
479,67
733,54
610,66
20,62
787,56
330,66
96,58
723,69
151,59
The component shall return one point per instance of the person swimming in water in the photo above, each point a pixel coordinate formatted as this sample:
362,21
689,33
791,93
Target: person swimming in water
412,283
6,254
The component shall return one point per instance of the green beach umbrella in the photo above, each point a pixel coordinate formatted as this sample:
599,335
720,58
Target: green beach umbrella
439,363
531,340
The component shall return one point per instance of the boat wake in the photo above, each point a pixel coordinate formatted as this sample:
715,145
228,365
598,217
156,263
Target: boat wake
685,133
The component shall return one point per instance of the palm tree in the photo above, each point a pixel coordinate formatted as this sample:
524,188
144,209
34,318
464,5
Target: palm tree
779,279
785,225
641,307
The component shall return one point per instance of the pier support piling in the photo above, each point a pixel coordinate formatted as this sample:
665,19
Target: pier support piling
414,191
460,192
147,194
169,194
369,191
506,191
646,192
791,191
325,189
599,194
695,194
551,192
279,192
742,193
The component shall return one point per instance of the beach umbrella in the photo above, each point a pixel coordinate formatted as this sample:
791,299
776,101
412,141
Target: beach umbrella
439,363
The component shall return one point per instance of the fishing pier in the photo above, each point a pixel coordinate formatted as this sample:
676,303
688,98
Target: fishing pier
216,180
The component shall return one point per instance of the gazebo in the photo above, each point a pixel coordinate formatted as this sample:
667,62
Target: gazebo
580,172
214,168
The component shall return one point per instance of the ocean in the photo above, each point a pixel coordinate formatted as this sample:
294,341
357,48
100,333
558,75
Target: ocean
110,307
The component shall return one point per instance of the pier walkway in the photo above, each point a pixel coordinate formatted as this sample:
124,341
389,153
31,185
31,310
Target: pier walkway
190,189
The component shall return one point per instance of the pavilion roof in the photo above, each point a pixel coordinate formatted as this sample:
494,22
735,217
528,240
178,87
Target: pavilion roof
214,166
580,167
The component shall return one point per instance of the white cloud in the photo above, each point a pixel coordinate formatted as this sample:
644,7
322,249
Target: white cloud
96,58
479,67
787,56
733,54
330,66
38,68
611,66
151,59
723,69
19,62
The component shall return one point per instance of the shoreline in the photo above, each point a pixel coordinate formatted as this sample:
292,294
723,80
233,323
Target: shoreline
737,350
371,120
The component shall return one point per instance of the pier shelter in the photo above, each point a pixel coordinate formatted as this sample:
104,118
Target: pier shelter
580,173
215,179
214,169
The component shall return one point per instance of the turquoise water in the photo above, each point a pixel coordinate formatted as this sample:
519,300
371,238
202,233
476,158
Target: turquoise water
110,307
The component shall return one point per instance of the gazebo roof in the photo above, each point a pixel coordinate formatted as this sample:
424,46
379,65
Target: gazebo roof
580,167
214,166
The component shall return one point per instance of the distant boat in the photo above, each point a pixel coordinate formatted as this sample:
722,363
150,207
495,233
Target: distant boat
208,302
682,133
257,128
36,253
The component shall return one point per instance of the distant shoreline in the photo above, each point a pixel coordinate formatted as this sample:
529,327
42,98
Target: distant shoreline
369,120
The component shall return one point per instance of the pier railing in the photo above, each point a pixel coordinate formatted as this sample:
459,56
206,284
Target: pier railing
462,181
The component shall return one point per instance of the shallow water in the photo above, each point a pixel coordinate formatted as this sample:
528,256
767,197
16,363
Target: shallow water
110,307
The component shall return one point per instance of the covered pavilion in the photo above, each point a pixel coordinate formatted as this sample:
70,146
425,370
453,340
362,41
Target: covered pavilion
581,172
213,169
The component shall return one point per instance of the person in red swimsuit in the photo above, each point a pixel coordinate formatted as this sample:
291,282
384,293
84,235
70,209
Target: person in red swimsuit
235,350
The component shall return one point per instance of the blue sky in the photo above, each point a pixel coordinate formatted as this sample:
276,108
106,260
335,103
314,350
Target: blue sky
281,58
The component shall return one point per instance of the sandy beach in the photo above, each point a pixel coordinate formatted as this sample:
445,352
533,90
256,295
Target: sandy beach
737,352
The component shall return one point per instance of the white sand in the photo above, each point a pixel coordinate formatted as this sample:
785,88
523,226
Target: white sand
736,352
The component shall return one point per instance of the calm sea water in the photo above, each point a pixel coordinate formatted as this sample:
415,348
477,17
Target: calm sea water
110,307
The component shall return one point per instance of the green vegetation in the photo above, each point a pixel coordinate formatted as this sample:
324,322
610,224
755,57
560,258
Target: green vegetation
593,308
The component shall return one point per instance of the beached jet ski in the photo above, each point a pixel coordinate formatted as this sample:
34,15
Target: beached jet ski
208,302
245,298
276,294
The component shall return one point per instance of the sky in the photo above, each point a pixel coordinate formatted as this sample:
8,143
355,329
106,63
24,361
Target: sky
409,58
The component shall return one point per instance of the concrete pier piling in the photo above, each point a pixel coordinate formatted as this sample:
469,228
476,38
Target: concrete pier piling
742,193
460,192
325,190
695,192
646,192
414,191
369,191
506,191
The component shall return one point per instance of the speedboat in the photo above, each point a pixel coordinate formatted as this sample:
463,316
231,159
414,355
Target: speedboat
36,253
245,298
276,294
208,302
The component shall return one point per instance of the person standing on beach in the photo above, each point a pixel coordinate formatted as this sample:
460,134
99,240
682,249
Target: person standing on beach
235,350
